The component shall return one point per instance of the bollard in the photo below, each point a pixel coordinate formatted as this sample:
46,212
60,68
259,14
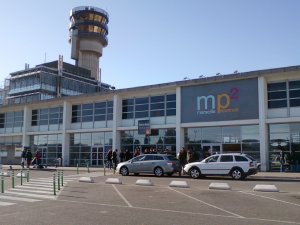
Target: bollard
77,169
62,178
54,188
21,177
58,180
87,166
2,183
27,175
13,179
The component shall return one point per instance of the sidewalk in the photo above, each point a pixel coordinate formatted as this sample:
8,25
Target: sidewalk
259,175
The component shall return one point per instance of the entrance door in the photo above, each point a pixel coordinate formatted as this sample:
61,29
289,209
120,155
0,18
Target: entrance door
211,149
44,154
97,156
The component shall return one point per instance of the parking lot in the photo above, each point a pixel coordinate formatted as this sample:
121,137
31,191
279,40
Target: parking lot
129,203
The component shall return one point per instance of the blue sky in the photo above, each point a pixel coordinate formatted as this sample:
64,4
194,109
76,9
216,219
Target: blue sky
158,41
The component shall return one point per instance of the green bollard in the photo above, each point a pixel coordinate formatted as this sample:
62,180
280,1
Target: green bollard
2,183
27,175
58,180
88,168
54,188
77,169
21,177
13,179
62,178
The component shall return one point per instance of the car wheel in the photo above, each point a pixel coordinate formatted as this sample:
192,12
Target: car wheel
124,171
158,171
237,174
194,172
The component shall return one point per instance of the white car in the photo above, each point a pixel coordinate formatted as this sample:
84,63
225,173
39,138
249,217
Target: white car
236,165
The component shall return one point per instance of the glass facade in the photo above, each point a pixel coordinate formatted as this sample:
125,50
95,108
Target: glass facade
50,146
284,94
209,140
92,112
89,148
150,106
47,116
11,122
8,147
284,137
159,139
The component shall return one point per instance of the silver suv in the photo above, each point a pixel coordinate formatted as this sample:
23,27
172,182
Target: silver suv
236,165
157,164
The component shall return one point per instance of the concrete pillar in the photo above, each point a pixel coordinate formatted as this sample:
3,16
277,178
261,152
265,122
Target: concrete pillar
263,126
117,118
179,130
67,116
26,126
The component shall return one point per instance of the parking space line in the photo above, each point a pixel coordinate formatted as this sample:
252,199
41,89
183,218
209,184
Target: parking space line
198,200
274,199
122,196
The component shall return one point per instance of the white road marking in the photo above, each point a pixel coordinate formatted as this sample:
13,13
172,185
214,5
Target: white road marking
32,191
274,199
198,200
19,198
53,197
33,187
122,196
6,203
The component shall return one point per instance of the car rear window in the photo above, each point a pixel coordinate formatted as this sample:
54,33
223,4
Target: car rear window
149,157
226,158
157,157
171,158
239,158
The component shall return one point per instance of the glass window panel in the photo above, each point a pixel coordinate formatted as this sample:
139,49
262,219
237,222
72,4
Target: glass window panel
100,105
211,135
157,106
76,119
44,111
142,100
87,112
141,107
171,112
157,99
277,86
110,110
99,117
171,97
109,116
127,108
54,110
127,102
156,113
43,122
171,105
87,106
277,95
98,138
127,115
294,102
87,119
294,84
295,94
110,104
54,116
141,114
76,107
44,116
277,104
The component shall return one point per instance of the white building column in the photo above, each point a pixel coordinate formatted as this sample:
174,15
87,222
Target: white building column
263,126
179,130
117,117
26,126
67,116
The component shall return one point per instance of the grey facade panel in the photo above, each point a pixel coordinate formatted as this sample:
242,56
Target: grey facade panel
234,100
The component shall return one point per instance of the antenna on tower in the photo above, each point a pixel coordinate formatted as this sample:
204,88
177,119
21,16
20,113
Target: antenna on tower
45,57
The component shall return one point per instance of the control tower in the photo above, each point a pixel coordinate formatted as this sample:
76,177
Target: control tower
88,36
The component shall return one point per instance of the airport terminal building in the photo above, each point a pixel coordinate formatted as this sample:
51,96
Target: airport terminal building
256,112
66,110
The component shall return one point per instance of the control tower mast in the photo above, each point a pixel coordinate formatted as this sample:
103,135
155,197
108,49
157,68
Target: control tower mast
88,36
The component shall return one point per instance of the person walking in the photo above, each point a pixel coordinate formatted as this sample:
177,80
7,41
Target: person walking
182,157
115,158
109,158
127,155
28,157
122,156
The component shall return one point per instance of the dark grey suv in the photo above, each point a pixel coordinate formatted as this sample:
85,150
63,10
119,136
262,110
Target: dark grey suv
157,164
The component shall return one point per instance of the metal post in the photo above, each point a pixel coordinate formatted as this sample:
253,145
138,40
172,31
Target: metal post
21,177
58,180
27,175
2,183
13,179
77,169
87,166
103,161
62,178
54,188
